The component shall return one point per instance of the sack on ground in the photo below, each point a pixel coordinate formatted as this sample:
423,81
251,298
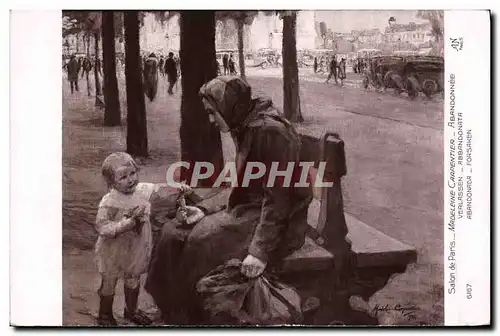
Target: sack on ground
229,297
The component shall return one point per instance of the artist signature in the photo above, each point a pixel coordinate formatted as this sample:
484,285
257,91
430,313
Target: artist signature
407,311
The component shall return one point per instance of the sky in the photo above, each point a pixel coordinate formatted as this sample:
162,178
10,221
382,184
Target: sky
344,21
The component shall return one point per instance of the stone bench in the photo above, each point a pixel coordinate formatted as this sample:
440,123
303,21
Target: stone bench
371,247
327,268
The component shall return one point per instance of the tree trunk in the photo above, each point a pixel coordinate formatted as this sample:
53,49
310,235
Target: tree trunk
200,140
241,54
98,90
291,102
137,136
88,57
112,115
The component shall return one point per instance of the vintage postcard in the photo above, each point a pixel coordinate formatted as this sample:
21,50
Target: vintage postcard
252,168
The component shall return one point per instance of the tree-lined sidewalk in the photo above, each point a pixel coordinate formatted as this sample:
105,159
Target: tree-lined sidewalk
394,179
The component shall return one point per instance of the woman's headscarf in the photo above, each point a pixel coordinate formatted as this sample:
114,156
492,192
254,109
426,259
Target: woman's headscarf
231,96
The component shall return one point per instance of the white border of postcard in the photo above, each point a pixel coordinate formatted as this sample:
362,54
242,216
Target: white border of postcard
35,234
467,168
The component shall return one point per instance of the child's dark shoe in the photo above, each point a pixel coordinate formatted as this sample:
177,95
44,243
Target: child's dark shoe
137,317
105,317
131,312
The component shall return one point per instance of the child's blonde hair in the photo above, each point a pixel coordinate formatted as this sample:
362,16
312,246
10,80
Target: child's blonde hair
112,163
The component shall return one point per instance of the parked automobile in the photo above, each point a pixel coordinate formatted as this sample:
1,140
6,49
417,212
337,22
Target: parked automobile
425,74
377,68
410,74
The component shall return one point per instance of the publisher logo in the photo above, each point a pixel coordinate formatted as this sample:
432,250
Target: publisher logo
457,43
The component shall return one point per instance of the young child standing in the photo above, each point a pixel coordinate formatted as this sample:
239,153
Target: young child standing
125,242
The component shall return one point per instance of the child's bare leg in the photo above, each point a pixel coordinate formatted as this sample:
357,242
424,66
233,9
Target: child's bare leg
106,293
132,313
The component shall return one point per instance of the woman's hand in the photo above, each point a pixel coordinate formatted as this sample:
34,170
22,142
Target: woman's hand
194,215
181,215
252,267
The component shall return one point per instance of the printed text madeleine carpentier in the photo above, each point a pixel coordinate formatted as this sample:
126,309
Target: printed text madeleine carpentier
456,180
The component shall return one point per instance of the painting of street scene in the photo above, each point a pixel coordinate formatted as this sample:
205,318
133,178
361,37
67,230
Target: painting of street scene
252,168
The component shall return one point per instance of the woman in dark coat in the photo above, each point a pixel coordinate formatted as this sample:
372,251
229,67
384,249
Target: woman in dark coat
262,224
151,76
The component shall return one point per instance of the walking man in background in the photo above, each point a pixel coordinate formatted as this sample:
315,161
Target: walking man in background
86,68
72,68
333,69
171,72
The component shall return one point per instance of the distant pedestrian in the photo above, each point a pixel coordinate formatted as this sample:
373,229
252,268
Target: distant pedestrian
151,76
86,66
333,69
225,64
342,71
72,68
315,64
171,72
161,66
79,65
231,65
86,69
322,65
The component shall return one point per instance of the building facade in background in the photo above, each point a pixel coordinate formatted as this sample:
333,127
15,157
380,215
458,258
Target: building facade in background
412,32
266,32
160,37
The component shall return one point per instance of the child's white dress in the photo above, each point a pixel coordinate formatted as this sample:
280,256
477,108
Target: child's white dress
123,254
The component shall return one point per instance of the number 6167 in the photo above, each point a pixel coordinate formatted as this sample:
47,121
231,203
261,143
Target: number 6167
469,291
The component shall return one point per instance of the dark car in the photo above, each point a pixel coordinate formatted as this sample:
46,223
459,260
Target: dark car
424,74
410,74
378,67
